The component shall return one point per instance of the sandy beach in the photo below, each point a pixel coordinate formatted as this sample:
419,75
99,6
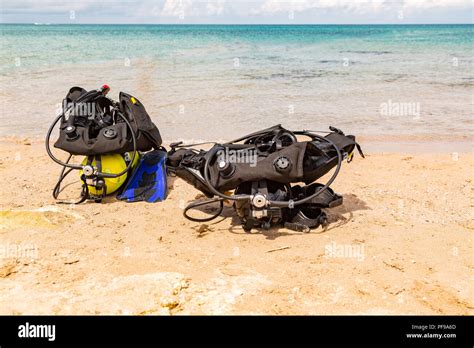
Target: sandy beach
400,244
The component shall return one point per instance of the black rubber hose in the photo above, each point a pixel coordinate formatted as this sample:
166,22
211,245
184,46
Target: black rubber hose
57,188
254,134
208,182
193,205
48,149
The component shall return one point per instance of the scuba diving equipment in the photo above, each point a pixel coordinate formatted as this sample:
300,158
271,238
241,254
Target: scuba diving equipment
111,163
260,168
93,125
148,182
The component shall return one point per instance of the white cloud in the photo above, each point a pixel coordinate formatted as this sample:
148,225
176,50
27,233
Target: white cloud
190,8
426,4
222,11
276,6
354,6
216,8
174,8
45,6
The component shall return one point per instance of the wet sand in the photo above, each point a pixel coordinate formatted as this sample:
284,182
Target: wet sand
400,244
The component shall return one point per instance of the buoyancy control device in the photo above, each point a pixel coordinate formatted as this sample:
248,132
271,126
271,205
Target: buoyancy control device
108,133
269,176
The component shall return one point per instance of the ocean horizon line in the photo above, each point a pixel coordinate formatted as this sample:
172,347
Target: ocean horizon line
243,24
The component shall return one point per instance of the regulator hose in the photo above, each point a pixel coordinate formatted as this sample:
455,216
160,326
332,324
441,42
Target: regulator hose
196,204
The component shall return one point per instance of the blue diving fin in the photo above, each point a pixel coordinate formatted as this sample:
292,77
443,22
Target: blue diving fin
148,181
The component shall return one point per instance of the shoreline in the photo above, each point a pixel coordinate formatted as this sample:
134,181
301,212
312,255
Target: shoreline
370,144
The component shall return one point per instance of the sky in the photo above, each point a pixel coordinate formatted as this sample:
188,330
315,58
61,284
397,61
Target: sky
237,12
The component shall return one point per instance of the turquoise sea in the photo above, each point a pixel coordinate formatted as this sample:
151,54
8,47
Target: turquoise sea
220,81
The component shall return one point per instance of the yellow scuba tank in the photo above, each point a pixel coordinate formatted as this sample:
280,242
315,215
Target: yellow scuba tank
128,156
112,163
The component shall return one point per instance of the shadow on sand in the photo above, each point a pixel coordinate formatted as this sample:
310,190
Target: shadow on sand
338,216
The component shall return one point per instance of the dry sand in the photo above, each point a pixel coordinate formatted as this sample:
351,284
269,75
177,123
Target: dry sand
401,244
